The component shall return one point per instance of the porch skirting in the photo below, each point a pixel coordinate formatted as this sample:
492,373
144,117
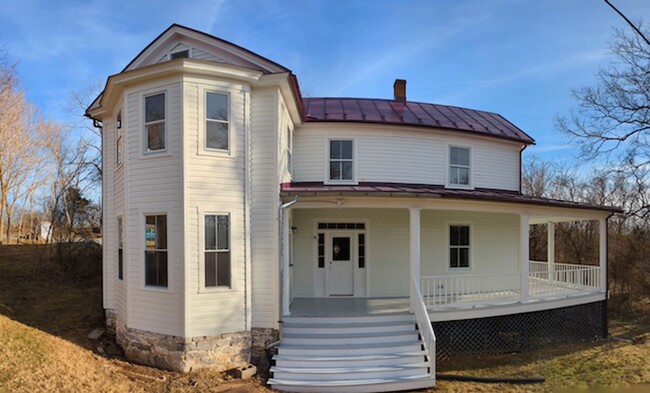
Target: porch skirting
520,332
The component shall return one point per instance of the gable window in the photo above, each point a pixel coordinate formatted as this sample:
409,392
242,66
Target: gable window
341,162
119,142
156,251
459,166
154,122
120,247
216,121
459,246
180,54
217,250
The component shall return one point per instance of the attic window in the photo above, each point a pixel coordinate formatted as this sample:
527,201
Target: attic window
180,55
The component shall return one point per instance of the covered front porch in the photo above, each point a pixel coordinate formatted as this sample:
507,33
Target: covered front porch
397,253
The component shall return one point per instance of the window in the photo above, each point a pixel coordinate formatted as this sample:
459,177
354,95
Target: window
120,253
118,143
216,121
289,150
154,122
459,166
341,161
156,251
180,54
458,246
362,251
217,250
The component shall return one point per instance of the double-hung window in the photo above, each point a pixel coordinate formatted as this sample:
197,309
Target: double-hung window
459,246
120,248
154,122
155,253
216,121
119,141
289,150
459,166
217,250
341,161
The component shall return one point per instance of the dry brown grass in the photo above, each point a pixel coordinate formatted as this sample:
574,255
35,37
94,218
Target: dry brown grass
45,317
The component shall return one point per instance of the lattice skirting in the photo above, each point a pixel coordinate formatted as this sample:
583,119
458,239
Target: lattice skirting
520,332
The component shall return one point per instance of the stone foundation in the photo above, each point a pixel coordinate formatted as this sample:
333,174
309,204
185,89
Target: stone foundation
110,320
221,352
262,337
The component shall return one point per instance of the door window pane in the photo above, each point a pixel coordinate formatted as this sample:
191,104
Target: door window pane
341,249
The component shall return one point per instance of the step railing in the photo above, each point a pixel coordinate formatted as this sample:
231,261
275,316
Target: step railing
426,328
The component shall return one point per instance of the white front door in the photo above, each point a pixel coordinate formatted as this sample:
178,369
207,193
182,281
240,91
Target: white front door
340,260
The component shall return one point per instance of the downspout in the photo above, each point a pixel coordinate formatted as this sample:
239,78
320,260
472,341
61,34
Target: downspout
606,314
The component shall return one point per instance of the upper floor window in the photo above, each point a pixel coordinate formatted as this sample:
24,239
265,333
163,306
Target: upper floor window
459,166
154,122
289,150
120,249
217,250
459,246
341,160
155,253
216,121
119,143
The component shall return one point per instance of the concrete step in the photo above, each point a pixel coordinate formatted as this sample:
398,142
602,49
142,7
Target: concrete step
350,373
345,328
410,345
349,338
354,386
349,361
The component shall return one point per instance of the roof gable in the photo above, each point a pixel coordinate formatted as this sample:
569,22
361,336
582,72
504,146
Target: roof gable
202,46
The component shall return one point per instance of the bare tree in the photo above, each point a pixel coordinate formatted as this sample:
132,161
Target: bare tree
612,120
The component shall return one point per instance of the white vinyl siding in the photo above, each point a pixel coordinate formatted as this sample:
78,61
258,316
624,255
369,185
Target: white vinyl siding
495,246
405,155
214,184
154,186
264,208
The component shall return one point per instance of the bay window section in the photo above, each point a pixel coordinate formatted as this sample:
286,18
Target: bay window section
156,251
154,122
217,251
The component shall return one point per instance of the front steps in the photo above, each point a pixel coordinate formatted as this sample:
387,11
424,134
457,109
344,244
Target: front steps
351,354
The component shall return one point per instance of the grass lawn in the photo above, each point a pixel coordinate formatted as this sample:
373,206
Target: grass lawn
45,317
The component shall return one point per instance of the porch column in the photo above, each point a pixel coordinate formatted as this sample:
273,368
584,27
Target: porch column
414,214
524,233
550,248
286,301
602,253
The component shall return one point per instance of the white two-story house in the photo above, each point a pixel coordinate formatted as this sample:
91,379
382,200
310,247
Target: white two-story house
363,238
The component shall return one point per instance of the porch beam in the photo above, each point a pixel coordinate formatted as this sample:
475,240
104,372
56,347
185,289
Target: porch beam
524,258
602,253
550,246
414,233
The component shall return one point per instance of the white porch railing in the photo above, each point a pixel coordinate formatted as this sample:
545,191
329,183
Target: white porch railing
426,329
469,290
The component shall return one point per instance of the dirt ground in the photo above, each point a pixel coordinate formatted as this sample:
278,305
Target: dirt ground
46,315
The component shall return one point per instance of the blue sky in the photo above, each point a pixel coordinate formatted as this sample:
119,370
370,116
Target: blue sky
517,58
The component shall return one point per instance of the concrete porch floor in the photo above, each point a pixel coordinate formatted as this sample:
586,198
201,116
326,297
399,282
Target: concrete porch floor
348,306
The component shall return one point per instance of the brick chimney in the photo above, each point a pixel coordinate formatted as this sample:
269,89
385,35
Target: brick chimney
399,89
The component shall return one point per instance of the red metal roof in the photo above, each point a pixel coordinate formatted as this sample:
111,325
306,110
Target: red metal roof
426,190
365,110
